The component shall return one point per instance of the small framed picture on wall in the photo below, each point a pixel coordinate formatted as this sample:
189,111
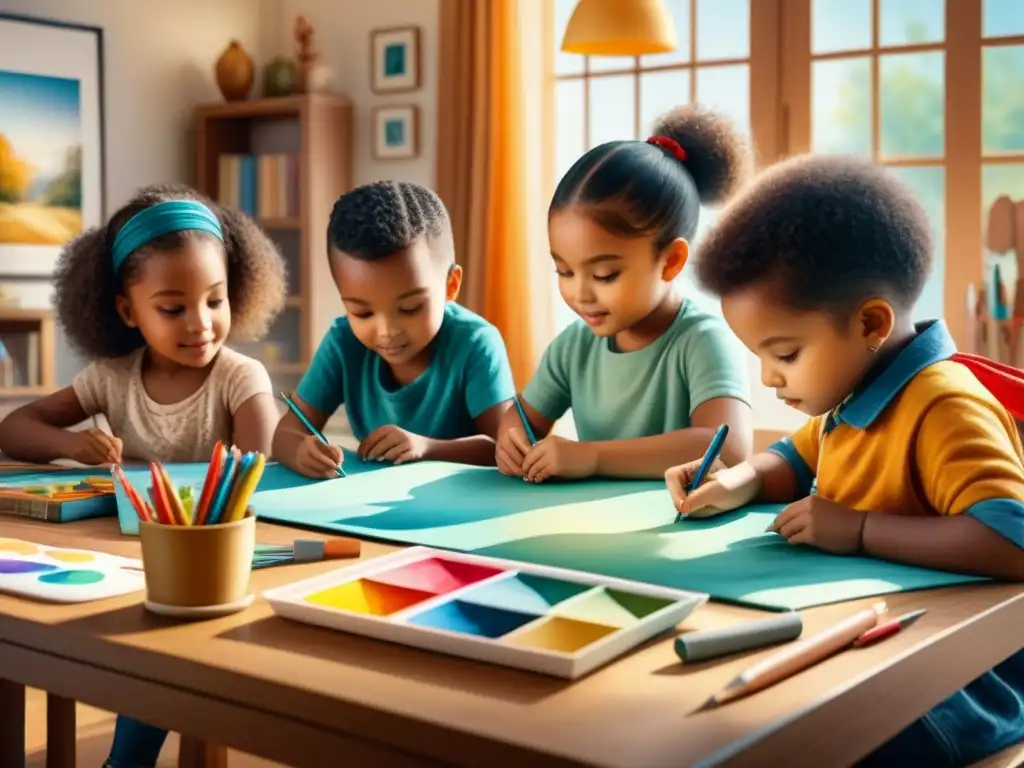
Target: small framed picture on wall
396,132
395,59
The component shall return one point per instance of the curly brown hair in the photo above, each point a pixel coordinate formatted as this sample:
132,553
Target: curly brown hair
86,286
639,189
826,232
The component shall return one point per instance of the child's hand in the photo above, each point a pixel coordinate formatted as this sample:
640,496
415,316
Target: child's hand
314,458
724,488
94,446
394,444
555,456
822,524
510,450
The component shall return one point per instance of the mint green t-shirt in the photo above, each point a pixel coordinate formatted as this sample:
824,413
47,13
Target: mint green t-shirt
654,390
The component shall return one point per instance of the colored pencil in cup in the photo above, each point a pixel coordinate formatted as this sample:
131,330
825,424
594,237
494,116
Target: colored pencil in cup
798,656
306,423
710,456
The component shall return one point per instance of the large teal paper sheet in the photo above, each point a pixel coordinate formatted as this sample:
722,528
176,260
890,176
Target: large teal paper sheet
617,528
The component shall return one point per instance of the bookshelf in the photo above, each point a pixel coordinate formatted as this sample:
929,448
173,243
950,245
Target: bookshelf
28,337
283,161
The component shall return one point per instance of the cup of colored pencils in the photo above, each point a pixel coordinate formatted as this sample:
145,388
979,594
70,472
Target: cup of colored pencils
197,550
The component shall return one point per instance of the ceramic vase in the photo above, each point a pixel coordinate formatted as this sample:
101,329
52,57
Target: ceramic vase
234,72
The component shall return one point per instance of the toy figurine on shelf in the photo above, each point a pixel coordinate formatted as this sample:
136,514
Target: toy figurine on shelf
314,77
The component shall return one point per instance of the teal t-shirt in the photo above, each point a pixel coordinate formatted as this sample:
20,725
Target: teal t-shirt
651,391
468,374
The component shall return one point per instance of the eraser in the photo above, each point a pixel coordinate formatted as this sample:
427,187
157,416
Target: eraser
712,643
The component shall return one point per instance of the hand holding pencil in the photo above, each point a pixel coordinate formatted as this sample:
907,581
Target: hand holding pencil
315,458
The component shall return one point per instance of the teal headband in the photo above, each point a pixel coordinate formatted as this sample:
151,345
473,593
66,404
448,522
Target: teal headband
162,219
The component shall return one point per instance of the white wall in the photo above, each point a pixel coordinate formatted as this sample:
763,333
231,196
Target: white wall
159,59
342,36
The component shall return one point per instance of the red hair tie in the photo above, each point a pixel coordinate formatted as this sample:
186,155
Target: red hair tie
670,145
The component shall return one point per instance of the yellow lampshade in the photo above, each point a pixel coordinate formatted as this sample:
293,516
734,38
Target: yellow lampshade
619,28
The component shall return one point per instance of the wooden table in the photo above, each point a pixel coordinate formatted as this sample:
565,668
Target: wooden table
308,696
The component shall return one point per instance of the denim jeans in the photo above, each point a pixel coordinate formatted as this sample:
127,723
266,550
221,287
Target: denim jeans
974,723
136,745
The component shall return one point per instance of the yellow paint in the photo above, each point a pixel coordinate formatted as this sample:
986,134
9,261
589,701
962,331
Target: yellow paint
562,635
18,547
70,557
368,597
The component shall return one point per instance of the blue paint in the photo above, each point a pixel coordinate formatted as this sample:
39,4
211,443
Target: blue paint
73,578
8,567
469,619
523,593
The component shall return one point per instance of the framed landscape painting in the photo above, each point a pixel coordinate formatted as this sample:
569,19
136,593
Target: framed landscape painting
51,140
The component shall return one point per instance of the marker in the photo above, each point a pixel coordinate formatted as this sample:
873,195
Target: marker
712,454
312,430
526,423
888,629
798,656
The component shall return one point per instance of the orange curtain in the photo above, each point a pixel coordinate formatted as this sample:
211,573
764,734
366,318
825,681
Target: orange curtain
481,159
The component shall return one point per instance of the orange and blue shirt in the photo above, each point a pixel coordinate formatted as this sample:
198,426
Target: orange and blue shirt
925,437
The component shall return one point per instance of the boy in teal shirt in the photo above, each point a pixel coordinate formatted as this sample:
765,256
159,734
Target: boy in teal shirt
420,376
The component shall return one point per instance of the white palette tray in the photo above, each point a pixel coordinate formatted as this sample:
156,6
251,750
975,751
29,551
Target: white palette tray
550,620
61,575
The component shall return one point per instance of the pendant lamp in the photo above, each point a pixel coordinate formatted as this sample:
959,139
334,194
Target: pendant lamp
619,28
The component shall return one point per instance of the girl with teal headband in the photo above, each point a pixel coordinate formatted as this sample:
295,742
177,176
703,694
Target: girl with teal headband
150,299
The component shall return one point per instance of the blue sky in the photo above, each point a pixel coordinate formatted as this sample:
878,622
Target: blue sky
41,117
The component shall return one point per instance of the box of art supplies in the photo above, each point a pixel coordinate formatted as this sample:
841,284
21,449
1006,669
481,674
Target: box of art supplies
550,620
60,497
197,547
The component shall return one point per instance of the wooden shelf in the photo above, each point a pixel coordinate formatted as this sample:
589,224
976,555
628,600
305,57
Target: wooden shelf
317,129
30,340
286,106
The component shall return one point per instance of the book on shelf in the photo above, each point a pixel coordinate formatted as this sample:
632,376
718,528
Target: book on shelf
262,186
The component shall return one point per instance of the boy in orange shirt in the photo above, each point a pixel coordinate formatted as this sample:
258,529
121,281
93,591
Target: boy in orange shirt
908,455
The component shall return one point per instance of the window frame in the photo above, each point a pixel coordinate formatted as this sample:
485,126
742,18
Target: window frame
763,64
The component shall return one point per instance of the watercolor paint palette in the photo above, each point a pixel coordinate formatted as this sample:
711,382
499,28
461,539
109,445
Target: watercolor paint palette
59,575
549,620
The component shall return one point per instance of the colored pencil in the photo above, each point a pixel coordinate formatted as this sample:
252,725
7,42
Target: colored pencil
710,456
798,656
889,628
306,423
228,488
526,422
212,476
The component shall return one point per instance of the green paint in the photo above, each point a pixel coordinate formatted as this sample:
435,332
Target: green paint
73,578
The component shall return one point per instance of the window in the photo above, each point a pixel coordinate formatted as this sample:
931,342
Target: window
878,89
893,80
1002,123
600,99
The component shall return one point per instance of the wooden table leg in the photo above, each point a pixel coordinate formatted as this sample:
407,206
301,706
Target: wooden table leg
60,732
193,753
12,723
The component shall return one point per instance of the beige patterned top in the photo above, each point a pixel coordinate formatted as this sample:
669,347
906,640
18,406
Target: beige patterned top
185,431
